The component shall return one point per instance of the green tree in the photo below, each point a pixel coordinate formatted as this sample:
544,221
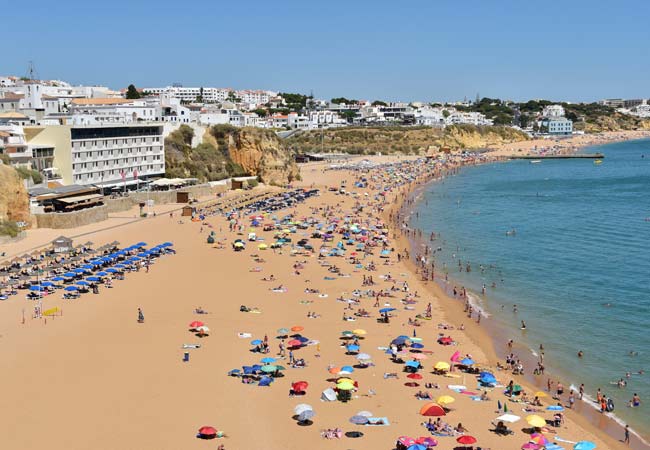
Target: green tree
349,115
261,112
445,113
132,92
379,103
339,100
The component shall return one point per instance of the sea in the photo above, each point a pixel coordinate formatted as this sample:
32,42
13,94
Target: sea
568,243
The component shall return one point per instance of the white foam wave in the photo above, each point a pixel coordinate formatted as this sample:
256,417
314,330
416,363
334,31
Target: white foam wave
477,304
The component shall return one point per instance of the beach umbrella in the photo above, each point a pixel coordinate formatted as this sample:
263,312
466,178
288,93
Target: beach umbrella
347,333
406,441
253,342
283,331
58,279
306,415
442,365
413,364
203,329
299,409
347,369
297,328
94,279
427,441
535,421
364,414
35,288
269,368
414,376
538,438
466,440
417,345
445,400
265,381
262,246
112,270
79,270
69,274
102,273
47,283
584,445
541,394
364,357
352,348
334,370
416,447
555,408
487,378
467,362
386,310
268,360
359,420
71,288
294,343
299,386
208,431
345,386
359,332
196,324
82,283
432,410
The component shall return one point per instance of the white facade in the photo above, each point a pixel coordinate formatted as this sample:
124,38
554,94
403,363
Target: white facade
190,94
552,111
99,111
111,155
559,126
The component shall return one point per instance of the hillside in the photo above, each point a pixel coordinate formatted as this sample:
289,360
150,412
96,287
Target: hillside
228,151
408,140
14,201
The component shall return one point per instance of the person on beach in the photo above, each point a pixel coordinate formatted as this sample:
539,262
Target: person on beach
140,316
626,438
636,400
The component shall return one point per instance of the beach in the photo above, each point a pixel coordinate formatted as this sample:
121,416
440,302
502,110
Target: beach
94,377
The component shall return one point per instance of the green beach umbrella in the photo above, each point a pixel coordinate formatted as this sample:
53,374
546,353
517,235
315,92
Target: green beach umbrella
269,368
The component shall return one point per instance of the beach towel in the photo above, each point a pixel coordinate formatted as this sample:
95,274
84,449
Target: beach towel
552,446
559,439
329,278
191,346
244,335
457,387
476,398
378,421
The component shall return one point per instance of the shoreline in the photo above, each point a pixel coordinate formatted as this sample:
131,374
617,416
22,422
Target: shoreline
585,411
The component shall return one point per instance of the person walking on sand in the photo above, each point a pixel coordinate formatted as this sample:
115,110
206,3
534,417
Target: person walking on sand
140,316
626,439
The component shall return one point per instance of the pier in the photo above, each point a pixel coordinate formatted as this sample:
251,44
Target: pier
575,156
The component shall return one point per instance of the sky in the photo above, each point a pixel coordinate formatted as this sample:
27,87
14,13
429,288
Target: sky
435,50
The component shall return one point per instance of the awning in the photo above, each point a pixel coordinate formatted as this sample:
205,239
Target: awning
79,198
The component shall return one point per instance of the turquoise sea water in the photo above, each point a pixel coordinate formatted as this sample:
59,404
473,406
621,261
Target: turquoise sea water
582,243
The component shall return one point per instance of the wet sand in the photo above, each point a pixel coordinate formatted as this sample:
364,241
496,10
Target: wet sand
95,378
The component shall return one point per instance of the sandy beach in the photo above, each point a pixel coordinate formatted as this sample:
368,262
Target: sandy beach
93,377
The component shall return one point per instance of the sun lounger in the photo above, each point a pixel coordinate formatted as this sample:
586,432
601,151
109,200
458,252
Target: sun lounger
185,346
244,335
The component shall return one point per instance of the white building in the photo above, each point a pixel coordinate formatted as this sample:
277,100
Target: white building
552,111
94,111
191,94
560,126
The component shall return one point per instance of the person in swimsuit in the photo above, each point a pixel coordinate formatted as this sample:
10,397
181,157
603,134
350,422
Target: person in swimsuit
636,400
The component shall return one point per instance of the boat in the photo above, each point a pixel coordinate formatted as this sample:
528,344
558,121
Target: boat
535,161
598,161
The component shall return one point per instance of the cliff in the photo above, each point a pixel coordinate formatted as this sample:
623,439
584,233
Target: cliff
408,140
228,151
14,200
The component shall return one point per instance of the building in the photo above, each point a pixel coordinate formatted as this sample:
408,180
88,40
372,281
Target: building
559,126
97,111
110,155
552,111
191,94
13,144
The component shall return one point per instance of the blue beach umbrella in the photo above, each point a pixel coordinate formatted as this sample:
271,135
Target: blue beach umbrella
467,361
70,288
35,288
58,279
555,408
414,364
82,283
417,345
348,369
265,381
352,348
102,273
79,270
386,310
47,283
87,266
112,270
256,342
268,360
120,266
94,279
70,274
416,447
584,445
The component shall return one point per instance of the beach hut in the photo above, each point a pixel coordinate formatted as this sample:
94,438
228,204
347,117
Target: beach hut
188,211
182,197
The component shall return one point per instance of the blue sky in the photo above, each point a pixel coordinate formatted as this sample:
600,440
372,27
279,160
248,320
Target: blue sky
417,50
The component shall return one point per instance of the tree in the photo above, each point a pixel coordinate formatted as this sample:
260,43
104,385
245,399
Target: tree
261,112
233,98
349,115
132,92
524,120
379,103
445,113
339,100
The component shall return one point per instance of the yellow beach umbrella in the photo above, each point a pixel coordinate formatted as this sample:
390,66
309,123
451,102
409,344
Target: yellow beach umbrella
345,386
536,421
359,332
445,400
541,394
262,246
441,365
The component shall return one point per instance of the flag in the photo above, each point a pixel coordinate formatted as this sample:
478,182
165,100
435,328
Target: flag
123,173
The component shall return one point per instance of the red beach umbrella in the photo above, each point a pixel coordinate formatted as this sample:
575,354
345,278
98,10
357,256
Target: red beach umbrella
466,440
207,431
196,324
414,376
294,343
300,386
433,410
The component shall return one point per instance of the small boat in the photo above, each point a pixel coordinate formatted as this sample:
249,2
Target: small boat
598,161
535,161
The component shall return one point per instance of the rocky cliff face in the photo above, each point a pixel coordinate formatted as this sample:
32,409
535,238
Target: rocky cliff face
14,200
262,153
473,137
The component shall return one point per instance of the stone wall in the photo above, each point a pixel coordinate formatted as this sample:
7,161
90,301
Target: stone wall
71,219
